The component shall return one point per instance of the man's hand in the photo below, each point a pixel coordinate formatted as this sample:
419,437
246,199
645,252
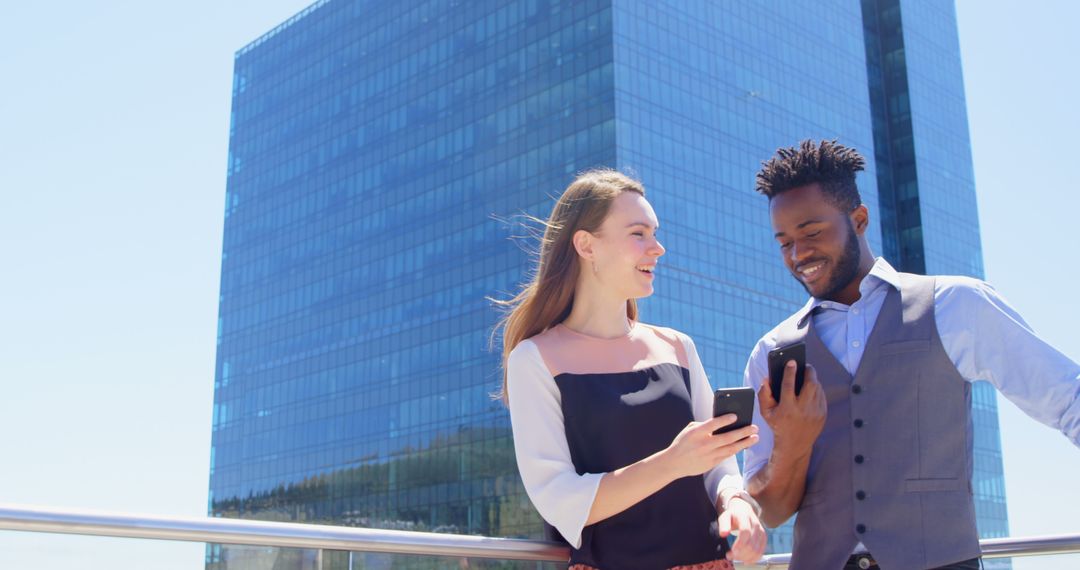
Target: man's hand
751,540
796,421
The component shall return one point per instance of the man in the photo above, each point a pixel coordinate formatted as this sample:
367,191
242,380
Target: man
876,449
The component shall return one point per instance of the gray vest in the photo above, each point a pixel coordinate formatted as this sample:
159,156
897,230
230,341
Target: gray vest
892,467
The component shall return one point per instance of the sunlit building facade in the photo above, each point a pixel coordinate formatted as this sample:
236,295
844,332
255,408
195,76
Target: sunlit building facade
384,156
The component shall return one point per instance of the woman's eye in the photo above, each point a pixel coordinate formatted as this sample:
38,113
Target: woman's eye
641,234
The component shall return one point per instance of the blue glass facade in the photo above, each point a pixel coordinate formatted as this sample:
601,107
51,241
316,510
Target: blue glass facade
704,94
377,149
373,146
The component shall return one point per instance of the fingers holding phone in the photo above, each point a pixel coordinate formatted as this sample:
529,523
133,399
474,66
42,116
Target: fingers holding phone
737,401
798,416
696,450
736,435
703,445
787,370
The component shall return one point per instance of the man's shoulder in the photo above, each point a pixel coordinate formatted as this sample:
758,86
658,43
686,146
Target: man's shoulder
954,289
783,332
946,282
959,282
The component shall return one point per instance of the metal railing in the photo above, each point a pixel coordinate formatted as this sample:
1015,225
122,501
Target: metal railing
323,537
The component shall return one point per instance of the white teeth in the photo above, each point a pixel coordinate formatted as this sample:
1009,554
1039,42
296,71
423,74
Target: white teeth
645,269
810,270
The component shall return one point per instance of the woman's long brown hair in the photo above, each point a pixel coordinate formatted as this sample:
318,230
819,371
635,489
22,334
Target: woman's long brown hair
549,296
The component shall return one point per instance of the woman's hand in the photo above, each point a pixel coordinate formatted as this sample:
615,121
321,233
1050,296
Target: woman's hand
696,450
751,540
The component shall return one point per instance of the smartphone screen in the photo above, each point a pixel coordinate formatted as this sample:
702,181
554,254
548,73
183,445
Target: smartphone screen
778,358
738,401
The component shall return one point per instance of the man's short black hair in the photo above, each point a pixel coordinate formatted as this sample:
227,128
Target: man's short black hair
828,163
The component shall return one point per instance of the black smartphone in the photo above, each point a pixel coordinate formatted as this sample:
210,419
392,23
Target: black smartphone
778,358
738,401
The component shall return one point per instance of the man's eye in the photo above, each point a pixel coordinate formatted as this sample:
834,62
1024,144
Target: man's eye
785,245
639,233
813,234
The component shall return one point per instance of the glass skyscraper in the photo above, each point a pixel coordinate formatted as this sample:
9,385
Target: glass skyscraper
384,156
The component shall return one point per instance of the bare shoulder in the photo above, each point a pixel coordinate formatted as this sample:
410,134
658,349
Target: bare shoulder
678,342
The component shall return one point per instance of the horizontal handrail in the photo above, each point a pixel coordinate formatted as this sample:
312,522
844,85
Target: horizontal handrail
315,536
280,534
1045,545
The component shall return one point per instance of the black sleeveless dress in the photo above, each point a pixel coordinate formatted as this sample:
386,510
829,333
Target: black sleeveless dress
616,419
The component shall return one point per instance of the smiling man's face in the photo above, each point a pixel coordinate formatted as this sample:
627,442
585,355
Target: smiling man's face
820,244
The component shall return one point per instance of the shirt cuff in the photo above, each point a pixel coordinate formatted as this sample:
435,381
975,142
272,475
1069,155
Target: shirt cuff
572,529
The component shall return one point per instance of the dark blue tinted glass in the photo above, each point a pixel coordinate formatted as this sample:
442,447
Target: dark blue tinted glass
375,148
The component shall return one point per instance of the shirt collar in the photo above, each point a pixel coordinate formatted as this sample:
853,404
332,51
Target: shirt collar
880,273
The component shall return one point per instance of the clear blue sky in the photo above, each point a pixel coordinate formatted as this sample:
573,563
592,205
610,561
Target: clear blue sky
113,135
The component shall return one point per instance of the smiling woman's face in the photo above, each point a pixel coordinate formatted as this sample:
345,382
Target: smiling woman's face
625,247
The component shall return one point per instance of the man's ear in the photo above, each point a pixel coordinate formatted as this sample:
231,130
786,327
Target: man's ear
583,243
860,219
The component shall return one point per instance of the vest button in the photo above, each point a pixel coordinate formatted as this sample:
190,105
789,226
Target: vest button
858,423
856,389
860,528
859,459
860,495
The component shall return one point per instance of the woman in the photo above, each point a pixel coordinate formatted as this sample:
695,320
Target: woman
611,416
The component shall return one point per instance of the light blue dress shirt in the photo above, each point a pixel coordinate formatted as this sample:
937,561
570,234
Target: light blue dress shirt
982,335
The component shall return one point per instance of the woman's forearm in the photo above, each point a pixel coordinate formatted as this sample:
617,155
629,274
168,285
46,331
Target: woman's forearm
623,488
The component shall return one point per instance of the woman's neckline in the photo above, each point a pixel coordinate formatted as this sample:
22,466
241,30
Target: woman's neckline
584,336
